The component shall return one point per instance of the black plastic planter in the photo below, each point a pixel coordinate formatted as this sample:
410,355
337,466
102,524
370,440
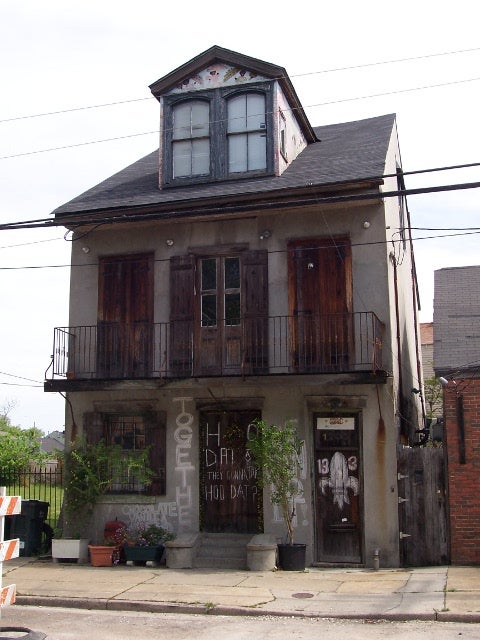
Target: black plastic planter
291,557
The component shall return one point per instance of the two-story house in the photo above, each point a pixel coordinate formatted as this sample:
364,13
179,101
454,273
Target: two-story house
253,267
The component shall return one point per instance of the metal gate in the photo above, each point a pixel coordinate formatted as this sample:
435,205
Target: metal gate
422,507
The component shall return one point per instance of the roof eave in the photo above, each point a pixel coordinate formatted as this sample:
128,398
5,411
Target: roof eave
202,207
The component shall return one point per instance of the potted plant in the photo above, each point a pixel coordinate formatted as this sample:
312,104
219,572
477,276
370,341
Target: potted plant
91,470
146,544
276,452
106,554
67,549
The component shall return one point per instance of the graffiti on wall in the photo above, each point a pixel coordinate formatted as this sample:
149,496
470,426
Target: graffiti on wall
183,464
336,477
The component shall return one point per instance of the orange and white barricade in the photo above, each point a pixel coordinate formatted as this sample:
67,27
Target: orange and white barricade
9,506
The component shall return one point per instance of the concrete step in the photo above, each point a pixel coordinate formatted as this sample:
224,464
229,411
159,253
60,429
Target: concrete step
222,551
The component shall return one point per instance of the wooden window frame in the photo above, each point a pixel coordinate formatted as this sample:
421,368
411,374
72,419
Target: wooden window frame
217,99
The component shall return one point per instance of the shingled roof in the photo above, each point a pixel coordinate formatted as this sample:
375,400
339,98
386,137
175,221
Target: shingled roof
350,152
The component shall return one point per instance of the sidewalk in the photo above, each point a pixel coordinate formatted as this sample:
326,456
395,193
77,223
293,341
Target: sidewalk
431,593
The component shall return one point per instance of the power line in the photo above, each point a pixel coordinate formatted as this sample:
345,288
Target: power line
374,64
78,144
41,222
277,251
297,75
82,220
26,244
445,228
319,104
11,375
391,93
17,384
73,109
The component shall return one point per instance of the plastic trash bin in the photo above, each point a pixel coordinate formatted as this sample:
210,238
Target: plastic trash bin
28,526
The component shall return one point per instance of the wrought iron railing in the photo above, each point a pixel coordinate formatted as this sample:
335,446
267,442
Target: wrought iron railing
306,343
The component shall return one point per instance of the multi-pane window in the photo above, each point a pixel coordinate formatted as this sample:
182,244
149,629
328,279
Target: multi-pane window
247,139
218,134
191,139
220,291
142,439
128,432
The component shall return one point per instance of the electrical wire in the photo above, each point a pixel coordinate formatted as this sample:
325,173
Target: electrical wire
82,220
312,106
274,252
297,75
27,244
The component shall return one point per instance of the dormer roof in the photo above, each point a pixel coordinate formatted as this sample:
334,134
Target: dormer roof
236,61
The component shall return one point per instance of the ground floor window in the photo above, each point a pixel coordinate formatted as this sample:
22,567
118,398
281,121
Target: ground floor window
135,435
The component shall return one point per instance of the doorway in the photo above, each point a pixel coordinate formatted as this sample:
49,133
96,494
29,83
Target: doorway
338,489
230,498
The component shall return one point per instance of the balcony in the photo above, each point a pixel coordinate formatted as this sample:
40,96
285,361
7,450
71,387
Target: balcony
306,344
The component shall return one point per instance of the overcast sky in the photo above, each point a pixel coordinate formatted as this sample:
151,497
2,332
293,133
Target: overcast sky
58,56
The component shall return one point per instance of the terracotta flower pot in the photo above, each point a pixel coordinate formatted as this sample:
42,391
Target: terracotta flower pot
103,555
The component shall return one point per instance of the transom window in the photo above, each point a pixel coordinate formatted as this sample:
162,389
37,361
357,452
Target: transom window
218,134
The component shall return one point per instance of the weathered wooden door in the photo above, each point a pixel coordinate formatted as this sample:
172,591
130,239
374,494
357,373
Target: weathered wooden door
230,500
320,295
422,506
338,486
125,316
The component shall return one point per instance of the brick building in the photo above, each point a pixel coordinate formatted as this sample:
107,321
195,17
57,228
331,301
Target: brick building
457,359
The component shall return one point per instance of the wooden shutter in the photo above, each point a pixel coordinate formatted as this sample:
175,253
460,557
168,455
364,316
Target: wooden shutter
182,284
156,440
320,301
125,316
255,310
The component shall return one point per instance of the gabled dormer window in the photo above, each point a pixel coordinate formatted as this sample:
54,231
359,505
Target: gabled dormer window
218,134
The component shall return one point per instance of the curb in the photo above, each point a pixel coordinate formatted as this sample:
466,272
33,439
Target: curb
221,610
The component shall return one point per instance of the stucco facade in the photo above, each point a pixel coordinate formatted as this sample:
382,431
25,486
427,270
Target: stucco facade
361,406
